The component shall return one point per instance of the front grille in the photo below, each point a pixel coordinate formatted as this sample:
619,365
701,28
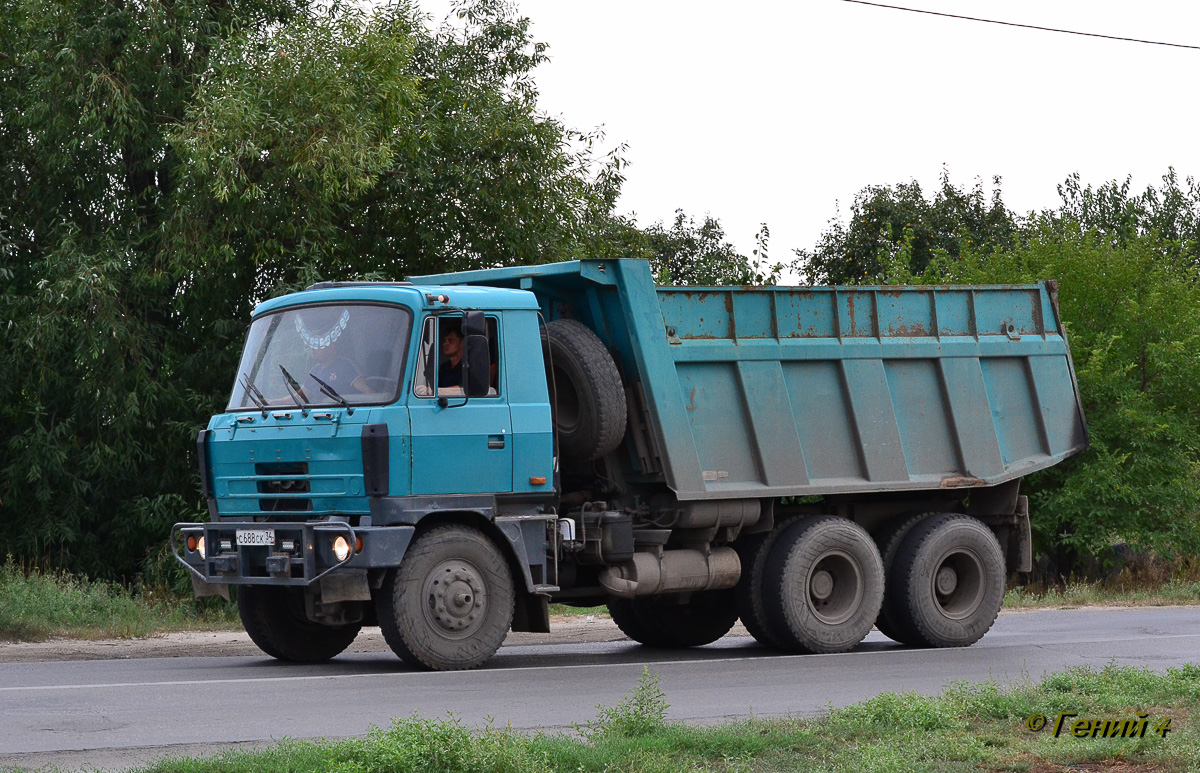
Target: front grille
285,480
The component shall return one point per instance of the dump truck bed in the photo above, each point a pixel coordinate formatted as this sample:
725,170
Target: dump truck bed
792,391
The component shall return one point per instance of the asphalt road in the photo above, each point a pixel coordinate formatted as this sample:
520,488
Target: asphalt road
115,713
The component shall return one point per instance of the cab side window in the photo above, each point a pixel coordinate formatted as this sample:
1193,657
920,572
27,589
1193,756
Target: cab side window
440,358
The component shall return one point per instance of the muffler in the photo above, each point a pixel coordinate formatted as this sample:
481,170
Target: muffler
674,571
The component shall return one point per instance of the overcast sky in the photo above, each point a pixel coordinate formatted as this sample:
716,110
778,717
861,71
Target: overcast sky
757,111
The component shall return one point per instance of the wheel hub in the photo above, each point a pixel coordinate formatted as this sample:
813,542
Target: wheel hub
835,587
958,584
822,584
947,580
456,598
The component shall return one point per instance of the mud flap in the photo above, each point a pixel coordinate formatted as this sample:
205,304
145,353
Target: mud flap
1020,539
202,589
345,586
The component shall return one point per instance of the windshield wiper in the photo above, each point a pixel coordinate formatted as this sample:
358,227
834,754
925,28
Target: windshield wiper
255,394
294,389
332,393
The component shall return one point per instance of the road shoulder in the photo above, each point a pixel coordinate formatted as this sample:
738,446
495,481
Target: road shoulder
564,629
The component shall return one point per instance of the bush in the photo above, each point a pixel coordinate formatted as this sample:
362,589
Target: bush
642,712
1131,321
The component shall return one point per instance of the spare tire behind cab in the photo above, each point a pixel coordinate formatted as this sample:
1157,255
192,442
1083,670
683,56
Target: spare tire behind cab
589,399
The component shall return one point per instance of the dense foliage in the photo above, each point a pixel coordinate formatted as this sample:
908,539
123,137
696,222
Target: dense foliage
888,223
165,167
1130,299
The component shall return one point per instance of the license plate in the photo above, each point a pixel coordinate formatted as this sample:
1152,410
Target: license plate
256,536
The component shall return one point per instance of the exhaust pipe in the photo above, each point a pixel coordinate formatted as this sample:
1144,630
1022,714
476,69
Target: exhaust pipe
674,571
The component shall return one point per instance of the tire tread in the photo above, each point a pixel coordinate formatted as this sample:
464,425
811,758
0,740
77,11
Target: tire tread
406,637
914,629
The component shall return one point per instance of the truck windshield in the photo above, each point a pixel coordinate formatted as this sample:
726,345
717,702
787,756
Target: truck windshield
326,355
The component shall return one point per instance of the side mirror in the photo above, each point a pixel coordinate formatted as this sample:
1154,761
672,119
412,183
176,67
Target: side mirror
477,360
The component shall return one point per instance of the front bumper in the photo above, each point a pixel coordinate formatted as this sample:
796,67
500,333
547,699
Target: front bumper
309,558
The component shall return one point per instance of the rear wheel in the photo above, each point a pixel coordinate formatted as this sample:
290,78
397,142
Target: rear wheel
663,622
949,577
275,619
450,603
822,585
888,541
748,593
624,613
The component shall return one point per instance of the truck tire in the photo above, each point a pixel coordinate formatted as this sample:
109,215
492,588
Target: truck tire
274,617
589,399
950,576
888,540
748,593
823,585
661,622
624,613
449,604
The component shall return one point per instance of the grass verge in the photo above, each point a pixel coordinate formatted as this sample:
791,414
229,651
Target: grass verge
1172,593
565,609
35,606
1146,581
969,727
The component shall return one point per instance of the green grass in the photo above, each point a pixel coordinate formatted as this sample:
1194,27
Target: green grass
564,609
1080,594
35,606
1146,581
969,727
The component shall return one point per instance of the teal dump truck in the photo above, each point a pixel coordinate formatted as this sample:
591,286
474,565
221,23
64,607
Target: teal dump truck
444,457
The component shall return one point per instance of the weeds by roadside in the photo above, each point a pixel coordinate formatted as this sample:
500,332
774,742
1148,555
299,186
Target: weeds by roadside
35,606
1145,580
1172,593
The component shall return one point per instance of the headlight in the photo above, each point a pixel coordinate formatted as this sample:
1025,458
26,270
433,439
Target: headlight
200,546
341,549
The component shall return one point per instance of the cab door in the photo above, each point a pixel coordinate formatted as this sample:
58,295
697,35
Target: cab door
459,445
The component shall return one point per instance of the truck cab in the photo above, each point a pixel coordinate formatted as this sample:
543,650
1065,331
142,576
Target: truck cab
360,413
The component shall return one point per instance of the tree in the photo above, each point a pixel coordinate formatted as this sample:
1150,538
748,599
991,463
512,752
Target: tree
95,406
1170,214
1133,330
691,254
1126,265
166,167
895,227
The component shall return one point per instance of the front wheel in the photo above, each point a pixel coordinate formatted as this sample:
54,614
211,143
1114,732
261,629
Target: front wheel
450,604
275,619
